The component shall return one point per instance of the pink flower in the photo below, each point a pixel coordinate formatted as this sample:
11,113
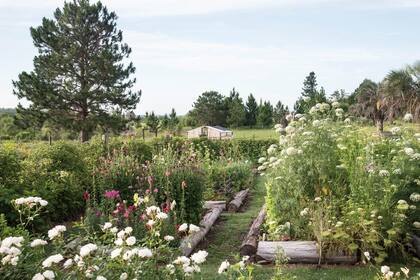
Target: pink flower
155,190
98,213
112,194
167,173
86,196
148,191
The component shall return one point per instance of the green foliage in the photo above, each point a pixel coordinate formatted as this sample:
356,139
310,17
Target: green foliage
58,174
310,95
209,109
236,113
78,74
251,111
225,178
265,114
347,189
152,122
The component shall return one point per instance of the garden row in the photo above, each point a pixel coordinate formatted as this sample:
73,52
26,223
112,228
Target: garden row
62,172
337,192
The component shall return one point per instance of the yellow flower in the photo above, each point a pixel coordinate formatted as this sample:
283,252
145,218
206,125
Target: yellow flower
136,199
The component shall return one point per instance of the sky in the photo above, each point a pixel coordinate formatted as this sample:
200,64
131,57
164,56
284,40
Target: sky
182,48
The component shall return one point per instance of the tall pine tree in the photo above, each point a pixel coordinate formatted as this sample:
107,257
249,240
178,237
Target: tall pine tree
310,94
251,111
80,74
236,114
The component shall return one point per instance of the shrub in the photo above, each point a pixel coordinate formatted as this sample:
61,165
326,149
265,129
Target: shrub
58,173
346,188
225,178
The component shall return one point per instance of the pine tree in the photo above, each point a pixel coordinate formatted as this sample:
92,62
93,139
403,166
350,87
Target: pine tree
236,114
152,122
279,114
251,111
265,114
209,109
310,94
173,120
80,75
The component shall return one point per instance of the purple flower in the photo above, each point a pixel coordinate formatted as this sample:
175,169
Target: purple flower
112,194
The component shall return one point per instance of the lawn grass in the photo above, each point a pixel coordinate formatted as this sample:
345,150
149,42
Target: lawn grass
258,134
225,238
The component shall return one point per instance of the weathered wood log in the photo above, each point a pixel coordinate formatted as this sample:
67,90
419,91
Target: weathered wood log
416,243
299,252
217,203
190,242
237,201
250,243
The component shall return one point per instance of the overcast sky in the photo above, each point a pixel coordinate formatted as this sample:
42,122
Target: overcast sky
182,48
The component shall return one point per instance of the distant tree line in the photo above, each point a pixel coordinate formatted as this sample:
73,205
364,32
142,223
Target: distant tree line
213,108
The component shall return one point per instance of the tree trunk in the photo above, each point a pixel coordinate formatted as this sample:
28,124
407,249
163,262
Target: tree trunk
84,135
156,133
250,243
380,125
237,201
142,133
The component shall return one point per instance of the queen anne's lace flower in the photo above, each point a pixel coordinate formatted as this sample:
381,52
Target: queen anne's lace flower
199,257
223,267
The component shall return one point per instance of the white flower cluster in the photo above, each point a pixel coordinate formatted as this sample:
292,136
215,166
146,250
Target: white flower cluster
53,259
191,228
388,274
189,265
30,201
10,248
396,130
56,231
408,117
38,242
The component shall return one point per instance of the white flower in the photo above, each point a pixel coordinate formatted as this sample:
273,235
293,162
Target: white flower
150,223
290,129
43,203
169,238
162,216
405,270
119,242
128,230
173,204
183,227
291,151
188,269
408,117
49,274
383,173
416,224
261,159
121,234
52,259
100,277
199,257
38,242
409,151
194,228
152,209
335,104
304,212
367,255
124,276
289,117
87,249
12,240
38,276
415,197
316,123
385,269
145,253
223,267
56,231
317,199
131,241
106,226
114,230
402,201
182,260
347,121
171,268
395,130
68,263
116,253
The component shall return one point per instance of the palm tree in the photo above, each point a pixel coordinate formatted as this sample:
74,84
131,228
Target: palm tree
403,91
371,102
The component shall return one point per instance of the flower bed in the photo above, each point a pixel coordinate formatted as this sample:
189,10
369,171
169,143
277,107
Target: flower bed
350,191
